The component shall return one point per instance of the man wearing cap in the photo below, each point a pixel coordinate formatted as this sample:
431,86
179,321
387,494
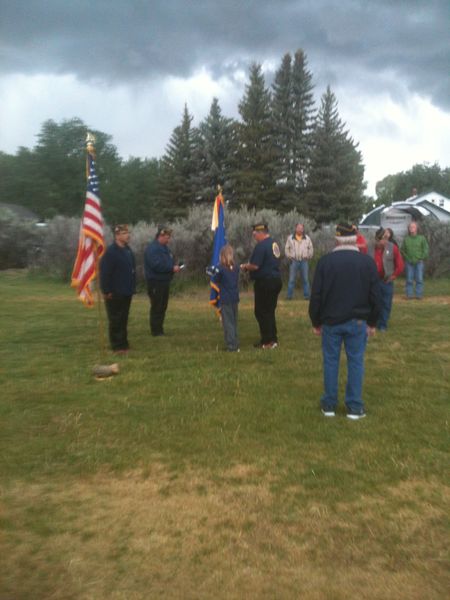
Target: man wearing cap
118,284
344,307
159,268
299,250
390,265
264,269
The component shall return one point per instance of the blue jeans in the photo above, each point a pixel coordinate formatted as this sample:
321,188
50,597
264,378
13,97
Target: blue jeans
414,273
294,267
387,294
229,323
353,334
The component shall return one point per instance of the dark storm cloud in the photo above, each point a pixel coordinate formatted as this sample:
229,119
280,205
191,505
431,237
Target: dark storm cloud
130,40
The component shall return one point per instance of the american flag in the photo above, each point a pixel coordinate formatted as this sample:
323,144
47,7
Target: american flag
91,244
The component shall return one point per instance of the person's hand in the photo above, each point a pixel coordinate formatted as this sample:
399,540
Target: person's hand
211,271
317,330
108,296
370,331
176,269
243,266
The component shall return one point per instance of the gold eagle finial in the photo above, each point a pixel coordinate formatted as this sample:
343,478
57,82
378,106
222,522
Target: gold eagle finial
90,143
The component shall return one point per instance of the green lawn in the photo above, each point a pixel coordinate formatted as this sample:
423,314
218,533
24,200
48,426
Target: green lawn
196,473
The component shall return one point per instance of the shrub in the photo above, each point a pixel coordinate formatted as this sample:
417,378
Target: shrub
57,249
18,240
438,236
192,241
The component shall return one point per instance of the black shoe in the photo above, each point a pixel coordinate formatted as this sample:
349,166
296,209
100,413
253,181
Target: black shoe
270,346
157,334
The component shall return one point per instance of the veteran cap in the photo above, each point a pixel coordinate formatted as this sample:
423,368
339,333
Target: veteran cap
163,230
260,227
121,228
345,230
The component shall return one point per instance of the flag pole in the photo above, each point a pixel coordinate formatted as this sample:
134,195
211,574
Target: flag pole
101,314
90,149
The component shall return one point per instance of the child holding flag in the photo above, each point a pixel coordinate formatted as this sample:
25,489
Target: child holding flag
226,276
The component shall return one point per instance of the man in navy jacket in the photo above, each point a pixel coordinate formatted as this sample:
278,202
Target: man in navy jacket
344,307
118,284
159,268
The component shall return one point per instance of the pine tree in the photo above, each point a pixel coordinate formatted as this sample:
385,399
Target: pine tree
213,154
254,158
303,120
335,183
292,109
177,171
283,133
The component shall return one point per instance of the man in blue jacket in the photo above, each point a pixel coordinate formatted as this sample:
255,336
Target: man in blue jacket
264,268
159,268
344,308
118,284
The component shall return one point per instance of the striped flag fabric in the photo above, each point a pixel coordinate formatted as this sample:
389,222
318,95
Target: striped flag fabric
91,244
218,226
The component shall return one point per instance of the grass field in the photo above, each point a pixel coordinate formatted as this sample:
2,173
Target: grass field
197,473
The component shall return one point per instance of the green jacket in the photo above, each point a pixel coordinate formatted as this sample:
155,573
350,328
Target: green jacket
415,248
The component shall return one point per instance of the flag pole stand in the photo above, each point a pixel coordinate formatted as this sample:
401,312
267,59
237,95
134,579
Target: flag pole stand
101,319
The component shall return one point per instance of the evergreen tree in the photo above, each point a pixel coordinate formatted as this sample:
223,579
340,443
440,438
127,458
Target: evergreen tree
213,154
292,108
283,133
255,155
336,174
303,120
177,171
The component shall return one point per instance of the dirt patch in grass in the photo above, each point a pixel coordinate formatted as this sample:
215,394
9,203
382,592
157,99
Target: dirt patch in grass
160,534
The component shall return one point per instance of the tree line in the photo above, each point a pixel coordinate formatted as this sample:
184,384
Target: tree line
284,153
419,179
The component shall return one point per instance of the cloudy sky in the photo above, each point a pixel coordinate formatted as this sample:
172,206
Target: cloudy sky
128,67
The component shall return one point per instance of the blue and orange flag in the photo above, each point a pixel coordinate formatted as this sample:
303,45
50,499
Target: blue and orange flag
218,226
91,243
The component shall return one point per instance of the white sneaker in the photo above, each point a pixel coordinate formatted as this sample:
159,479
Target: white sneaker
354,417
328,413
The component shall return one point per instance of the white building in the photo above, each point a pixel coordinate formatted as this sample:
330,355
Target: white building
400,214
